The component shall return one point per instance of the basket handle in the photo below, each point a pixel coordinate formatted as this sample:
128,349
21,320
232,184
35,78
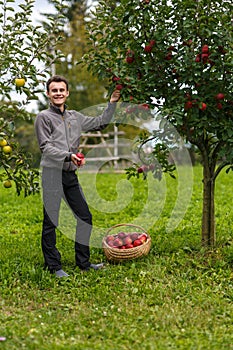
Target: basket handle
131,225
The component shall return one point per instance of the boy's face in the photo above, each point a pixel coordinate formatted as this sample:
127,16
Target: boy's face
58,93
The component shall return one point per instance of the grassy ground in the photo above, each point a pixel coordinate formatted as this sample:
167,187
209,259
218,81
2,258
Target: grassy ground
178,297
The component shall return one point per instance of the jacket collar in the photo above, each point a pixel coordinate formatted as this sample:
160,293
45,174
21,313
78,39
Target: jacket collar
57,109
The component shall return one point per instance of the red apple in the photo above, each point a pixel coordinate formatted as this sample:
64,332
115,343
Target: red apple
119,86
188,105
128,246
111,244
116,78
204,57
148,48
198,58
137,242
134,236
140,170
143,169
122,247
117,242
203,106
129,56
145,106
121,234
81,157
168,57
170,48
219,105
127,240
220,96
205,49
152,42
129,59
143,237
109,238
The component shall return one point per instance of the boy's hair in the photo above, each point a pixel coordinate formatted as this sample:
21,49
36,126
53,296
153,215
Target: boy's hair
57,79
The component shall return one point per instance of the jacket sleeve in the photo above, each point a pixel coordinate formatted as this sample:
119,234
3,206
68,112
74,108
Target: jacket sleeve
100,122
51,154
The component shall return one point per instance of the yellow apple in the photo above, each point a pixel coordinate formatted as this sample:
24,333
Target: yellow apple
3,142
19,82
7,149
7,183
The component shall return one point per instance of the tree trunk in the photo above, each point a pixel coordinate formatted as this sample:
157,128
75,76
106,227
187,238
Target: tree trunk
208,212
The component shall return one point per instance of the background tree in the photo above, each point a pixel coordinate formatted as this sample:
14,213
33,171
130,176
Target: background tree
177,58
85,89
24,66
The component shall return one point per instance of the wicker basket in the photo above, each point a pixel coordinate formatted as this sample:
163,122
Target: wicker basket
116,254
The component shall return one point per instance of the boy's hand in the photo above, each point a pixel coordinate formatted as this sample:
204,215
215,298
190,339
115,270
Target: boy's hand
78,159
115,96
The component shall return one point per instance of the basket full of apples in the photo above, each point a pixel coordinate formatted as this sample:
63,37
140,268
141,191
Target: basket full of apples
126,244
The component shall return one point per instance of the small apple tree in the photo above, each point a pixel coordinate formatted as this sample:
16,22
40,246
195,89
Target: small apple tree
176,57
27,53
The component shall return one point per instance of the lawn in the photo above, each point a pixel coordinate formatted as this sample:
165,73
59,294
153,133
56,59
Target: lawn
178,297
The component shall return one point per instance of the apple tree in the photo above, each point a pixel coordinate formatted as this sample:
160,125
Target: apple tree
175,57
27,53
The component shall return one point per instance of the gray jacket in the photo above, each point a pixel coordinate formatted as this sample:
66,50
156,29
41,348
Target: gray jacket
58,133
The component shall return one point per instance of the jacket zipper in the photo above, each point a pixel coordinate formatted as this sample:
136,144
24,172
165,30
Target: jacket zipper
66,132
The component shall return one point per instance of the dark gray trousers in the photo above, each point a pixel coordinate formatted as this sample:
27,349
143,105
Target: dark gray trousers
58,185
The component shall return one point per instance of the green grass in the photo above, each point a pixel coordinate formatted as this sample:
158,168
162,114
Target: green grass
178,297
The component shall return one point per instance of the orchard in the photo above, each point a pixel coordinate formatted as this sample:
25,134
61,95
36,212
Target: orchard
27,53
176,58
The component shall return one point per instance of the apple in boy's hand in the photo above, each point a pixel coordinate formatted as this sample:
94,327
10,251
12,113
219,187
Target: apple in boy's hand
81,160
